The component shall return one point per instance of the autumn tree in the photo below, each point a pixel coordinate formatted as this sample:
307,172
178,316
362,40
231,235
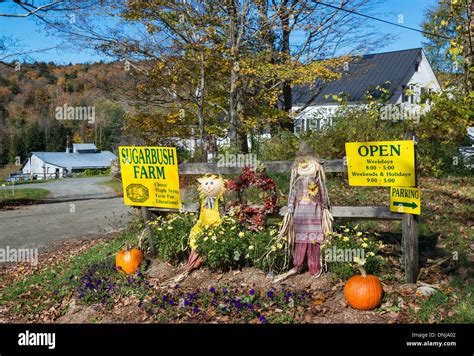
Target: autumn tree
452,48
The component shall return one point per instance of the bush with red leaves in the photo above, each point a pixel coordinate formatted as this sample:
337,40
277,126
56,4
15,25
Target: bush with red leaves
254,216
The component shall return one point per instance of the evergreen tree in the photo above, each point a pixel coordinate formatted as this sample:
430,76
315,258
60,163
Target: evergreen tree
18,148
34,140
56,139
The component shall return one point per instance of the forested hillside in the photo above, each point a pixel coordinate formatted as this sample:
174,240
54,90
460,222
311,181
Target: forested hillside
31,95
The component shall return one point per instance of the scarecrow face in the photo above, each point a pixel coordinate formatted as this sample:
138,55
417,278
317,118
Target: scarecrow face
307,168
211,186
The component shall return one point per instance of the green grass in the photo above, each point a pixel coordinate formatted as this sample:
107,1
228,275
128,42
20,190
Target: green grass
459,302
115,184
22,182
27,194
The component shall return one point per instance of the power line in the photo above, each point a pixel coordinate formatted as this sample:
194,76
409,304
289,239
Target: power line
384,21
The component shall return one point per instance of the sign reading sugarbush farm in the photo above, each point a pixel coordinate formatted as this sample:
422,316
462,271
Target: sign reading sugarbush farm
381,163
150,176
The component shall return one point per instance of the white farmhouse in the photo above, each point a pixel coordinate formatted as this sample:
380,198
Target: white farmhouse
407,74
48,165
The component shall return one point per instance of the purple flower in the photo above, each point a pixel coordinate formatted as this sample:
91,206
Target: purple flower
252,291
270,294
262,319
225,291
237,304
154,301
212,290
196,310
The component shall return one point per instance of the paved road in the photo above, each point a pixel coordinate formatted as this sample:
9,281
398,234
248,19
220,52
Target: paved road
91,210
72,188
38,226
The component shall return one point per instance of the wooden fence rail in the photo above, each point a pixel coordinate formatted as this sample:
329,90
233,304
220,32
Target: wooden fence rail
330,166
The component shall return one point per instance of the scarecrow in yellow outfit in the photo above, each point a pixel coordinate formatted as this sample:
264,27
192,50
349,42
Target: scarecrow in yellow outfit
211,189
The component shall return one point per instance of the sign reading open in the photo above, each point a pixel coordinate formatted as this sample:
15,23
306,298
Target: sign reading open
150,176
381,163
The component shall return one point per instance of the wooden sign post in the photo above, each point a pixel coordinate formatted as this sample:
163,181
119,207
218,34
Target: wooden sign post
410,230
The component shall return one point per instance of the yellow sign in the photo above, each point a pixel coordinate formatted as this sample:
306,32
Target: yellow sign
150,176
381,163
405,200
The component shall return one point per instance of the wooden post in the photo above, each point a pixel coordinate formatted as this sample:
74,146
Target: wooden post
146,218
410,234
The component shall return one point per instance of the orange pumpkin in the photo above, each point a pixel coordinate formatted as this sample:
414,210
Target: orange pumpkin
127,261
363,291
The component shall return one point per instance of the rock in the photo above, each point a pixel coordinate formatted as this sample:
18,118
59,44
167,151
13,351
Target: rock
425,291
78,314
270,275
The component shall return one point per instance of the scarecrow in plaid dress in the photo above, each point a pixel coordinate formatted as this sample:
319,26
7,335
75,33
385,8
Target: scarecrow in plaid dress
308,219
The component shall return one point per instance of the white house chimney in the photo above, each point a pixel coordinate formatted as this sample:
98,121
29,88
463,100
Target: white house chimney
68,144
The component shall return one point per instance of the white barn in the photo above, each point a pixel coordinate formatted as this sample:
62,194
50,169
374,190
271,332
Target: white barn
48,165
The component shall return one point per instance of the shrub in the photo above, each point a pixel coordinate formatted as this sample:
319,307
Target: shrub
171,234
346,248
231,246
440,133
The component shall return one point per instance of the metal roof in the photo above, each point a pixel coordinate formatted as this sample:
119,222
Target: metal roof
364,73
83,147
77,160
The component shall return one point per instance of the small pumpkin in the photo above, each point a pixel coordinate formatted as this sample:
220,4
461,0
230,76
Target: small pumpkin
128,260
363,292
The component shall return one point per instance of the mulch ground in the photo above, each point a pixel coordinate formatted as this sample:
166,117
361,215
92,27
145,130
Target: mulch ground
327,306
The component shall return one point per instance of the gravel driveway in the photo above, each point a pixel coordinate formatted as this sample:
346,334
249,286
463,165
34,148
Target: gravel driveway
77,208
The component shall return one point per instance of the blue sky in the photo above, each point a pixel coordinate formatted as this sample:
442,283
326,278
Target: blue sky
32,36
